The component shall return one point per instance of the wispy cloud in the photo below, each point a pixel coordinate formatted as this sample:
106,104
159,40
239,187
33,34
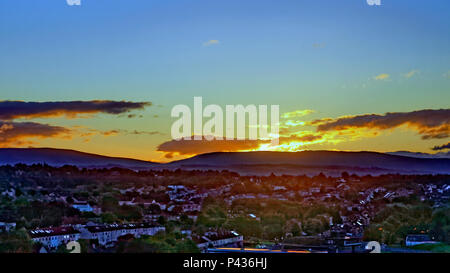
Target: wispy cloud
411,74
381,77
87,133
300,138
211,42
297,113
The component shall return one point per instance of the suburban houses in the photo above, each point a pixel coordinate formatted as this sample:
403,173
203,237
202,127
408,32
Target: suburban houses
105,234
212,209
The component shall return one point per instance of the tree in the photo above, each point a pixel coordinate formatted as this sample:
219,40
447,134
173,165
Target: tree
345,175
108,218
16,242
161,220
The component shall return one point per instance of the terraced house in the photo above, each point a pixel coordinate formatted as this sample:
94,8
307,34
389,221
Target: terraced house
109,234
53,237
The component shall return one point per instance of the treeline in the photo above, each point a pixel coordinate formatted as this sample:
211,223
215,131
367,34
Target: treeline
266,219
69,177
392,224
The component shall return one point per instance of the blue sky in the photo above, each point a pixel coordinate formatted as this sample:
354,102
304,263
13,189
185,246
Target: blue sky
320,55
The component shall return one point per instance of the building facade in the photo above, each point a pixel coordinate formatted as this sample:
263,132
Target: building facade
108,234
54,237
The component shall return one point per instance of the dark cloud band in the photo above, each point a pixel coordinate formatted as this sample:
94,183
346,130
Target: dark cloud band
428,123
441,147
10,110
193,147
19,133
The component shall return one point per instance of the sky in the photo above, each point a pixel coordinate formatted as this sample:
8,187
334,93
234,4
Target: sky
103,77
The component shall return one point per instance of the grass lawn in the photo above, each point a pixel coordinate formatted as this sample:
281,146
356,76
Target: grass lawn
436,248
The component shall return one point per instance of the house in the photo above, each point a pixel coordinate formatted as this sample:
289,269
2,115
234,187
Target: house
161,206
418,239
219,239
279,188
10,193
388,195
191,207
343,187
171,208
54,237
4,226
404,192
176,187
109,234
97,210
82,206
186,232
192,215
341,180
127,202
304,193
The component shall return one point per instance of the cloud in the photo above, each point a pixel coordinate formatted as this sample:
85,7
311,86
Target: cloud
427,123
18,109
292,120
446,74
150,133
5,127
193,147
134,116
302,138
411,74
19,133
441,147
297,113
87,133
110,132
381,77
211,42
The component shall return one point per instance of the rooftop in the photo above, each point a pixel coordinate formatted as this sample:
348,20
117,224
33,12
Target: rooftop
44,232
112,227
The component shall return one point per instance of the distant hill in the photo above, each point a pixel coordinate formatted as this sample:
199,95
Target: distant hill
421,155
257,163
59,157
316,161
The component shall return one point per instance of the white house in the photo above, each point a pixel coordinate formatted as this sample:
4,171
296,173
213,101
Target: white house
53,237
107,234
219,239
4,226
191,207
